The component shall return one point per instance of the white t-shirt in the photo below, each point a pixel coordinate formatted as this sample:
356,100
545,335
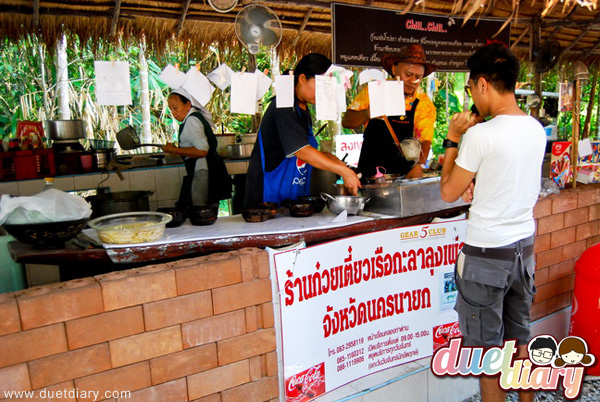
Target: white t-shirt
193,135
506,153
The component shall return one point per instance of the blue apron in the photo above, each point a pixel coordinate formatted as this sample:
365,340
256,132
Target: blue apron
290,179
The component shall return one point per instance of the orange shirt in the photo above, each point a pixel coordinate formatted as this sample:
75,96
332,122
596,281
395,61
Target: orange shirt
424,115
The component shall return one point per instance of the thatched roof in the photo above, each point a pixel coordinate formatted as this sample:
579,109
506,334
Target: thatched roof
306,23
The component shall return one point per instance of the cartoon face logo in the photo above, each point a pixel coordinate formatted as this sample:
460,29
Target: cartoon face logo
301,166
542,350
573,351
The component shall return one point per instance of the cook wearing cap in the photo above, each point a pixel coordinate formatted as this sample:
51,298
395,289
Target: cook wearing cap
379,147
207,180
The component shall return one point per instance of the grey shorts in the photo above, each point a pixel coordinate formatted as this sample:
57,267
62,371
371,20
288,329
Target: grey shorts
494,295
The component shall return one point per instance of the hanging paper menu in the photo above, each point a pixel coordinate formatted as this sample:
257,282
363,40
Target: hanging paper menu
113,86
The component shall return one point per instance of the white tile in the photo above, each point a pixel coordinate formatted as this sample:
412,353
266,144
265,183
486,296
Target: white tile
40,274
115,184
168,184
412,388
153,205
383,376
143,180
556,324
166,203
88,181
451,389
11,187
30,187
64,183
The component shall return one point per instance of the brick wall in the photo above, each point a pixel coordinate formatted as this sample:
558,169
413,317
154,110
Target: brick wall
200,329
567,225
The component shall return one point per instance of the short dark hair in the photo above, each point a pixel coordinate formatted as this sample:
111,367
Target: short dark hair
543,343
182,98
310,65
497,64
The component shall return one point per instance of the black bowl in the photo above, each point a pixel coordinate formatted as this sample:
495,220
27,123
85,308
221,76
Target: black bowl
316,200
203,215
257,214
47,235
301,209
178,215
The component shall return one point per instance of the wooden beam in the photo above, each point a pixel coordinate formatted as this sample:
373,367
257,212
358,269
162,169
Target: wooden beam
184,12
115,20
592,49
36,13
525,32
302,26
571,23
574,41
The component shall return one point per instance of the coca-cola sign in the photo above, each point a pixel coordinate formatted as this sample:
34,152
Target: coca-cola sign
443,333
306,385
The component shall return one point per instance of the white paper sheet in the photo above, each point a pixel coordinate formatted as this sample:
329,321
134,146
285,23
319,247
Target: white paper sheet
172,76
198,86
370,75
386,98
431,87
264,83
585,148
113,85
243,93
284,87
221,76
326,97
341,72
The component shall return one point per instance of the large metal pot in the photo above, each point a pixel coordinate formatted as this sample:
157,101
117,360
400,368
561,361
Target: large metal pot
118,202
353,205
239,151
65,129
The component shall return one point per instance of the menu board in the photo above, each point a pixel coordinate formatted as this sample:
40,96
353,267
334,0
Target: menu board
361,35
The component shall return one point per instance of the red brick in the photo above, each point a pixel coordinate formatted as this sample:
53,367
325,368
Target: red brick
242,295
174,391
542,243
210,398
218,379
587,230
128,288
542,208
59,302
246,346
180,309
272,364
184,363
550,223
105,327
541,276
574,250
592,241
538,310
588,197
559,302
251,319
594,212
32,344
268,315
14,378
67,366
255,368
213,329
549,257
256,261
551,289
562,237
129,378
145,346
561,270
261,390
10,322
208,274
566,201
577,216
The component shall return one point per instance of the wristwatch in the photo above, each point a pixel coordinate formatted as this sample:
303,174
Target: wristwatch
449,144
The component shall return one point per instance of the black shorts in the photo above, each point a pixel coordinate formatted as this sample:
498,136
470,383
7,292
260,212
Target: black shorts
495,293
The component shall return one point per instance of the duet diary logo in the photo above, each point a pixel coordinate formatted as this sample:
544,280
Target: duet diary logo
542,372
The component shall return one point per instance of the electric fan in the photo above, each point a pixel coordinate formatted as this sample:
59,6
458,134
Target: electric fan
258,28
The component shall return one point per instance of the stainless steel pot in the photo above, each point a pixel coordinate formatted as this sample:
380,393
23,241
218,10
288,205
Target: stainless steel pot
65,129
239,151
120,201
353,205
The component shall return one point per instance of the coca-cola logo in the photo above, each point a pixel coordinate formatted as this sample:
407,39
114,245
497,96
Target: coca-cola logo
312,375
447,330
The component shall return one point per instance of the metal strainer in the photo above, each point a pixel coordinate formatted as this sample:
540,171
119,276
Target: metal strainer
128,139
411,148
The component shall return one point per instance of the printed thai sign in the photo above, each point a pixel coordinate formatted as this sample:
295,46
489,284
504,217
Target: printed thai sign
361,304
361,35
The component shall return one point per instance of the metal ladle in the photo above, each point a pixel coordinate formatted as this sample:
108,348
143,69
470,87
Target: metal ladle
128,139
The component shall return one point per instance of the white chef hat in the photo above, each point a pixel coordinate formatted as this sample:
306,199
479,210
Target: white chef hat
207,115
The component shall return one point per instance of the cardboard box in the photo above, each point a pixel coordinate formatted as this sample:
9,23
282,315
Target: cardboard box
560,163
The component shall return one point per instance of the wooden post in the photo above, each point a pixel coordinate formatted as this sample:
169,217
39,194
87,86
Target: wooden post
575,136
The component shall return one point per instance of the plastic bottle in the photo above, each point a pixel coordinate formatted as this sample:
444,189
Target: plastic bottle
49,183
